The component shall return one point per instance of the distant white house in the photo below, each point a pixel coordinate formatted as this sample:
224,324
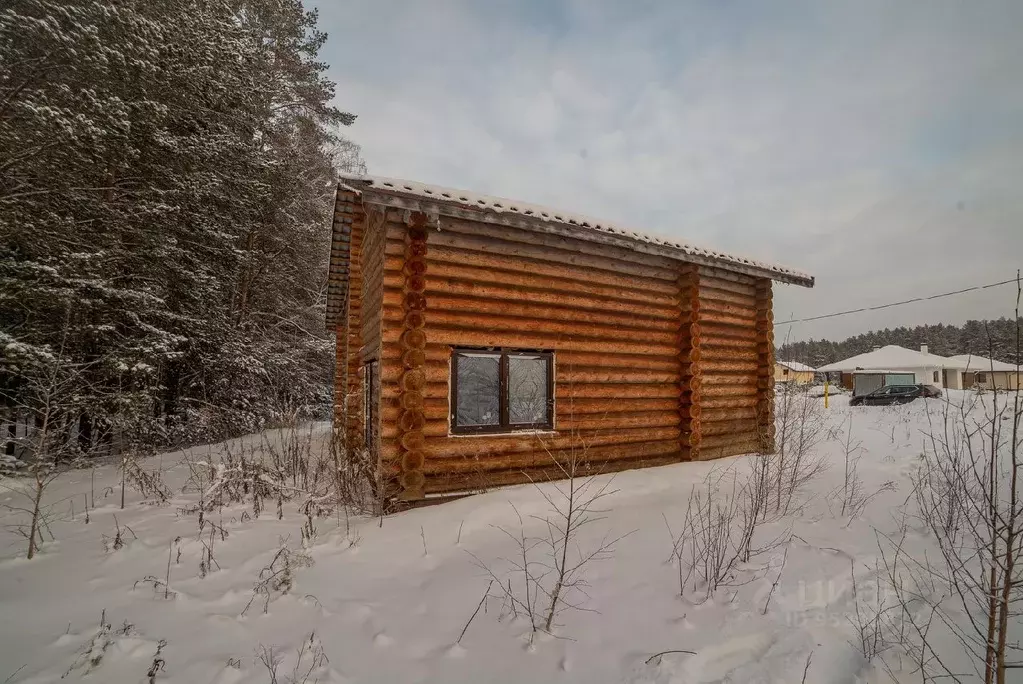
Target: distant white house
895,365
793,372
978,371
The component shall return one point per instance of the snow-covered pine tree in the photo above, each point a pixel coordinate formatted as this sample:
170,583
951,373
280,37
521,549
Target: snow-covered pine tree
942,339
164,187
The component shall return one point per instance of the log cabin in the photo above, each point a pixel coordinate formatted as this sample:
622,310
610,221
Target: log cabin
484,341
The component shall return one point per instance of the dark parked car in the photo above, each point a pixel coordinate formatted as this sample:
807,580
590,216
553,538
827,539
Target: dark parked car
895,394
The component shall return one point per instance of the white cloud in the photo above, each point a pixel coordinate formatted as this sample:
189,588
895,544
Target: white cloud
877,145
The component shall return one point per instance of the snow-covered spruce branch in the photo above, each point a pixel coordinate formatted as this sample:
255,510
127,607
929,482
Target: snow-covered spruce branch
203,312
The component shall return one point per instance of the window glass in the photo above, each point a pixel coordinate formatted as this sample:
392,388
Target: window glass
479,389
527,389
501,390
981,377
935,376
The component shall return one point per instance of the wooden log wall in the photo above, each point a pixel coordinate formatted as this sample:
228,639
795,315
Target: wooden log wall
341,374
729,361
610,315
412,344
348,375
372,273
371,254
690,408
655,361
765,364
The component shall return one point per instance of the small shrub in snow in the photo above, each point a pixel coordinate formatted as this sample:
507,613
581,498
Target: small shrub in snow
310,662
159,585
148,483
969,494
548,573
292,464
208,533
91,657
308,527
874,616
852,497
718,539
278,577
800,426
35,515
117,542
159,664
233,478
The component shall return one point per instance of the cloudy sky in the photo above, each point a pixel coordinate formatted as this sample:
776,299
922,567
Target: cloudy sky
877,145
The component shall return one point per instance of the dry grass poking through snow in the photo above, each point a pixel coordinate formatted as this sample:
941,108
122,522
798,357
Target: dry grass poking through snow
770,571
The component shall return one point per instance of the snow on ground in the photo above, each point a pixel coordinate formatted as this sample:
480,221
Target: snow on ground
388,601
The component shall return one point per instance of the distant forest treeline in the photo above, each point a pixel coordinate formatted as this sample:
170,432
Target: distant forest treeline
994,338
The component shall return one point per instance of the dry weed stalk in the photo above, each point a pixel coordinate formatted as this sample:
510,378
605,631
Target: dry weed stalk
159,663
42,474
873,615
853,495
148,483
551,566
292,465
278,577
968,495
91,657
52,394
309,663
116,542
800,426
717,544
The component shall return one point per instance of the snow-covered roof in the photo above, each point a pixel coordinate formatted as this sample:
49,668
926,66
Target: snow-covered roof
888,358
883,371
797,367
972,362
484,207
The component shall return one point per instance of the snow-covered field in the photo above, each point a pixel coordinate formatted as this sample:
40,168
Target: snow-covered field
386,601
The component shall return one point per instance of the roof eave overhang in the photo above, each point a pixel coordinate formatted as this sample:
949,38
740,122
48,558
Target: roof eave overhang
392,199
340,257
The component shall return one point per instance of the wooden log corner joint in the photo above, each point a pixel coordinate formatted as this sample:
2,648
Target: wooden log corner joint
579,339
412,419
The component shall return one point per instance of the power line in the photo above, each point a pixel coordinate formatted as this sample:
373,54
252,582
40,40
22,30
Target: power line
905,301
